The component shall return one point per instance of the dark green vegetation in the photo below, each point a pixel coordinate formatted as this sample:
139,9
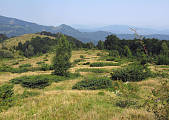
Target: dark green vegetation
43,45
131,73
6,96
102,64
61,60
94,70
93,83
25,68
41,81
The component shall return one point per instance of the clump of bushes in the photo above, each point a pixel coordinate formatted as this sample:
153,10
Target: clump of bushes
87,63
133,72
93,83
41,81
40,62
6,96
25,65
33,81
102,64
94,70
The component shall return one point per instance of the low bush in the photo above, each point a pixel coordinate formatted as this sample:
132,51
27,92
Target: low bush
102,64
25,65
127,90
81,56
87,63
133,72
41,81
6,96
93,83
162,60
94,70
41,62
45,67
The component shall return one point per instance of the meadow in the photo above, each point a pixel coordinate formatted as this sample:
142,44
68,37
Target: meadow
59,101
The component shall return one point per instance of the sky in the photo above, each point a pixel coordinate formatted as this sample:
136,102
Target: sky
145,13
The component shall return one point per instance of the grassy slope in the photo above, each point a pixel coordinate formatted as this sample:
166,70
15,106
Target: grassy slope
26,37
59,102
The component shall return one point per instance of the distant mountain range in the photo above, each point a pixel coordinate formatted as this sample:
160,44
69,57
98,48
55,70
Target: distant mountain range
16,27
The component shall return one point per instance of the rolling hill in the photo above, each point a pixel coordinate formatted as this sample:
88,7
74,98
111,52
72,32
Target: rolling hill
16,27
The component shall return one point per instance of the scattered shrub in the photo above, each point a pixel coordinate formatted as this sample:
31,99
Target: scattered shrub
87,63
15,63
102,64
32,81
6,96
158,102
132,72
81,56
94,70
123,103
45,60
41,62
41,81
45,67
93,83
25,65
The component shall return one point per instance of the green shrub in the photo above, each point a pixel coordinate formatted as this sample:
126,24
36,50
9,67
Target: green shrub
41,81
162,60
94,70
81,56
110,59
123,103
87,63
127,90
32,81
102,64
45,67
6,96
41,62
93,83
15,63
25,65
133,72
45,60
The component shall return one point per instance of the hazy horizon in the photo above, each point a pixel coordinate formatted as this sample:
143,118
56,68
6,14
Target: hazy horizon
143,13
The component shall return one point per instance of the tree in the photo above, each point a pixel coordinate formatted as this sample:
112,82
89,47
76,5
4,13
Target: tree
29,51
100,45
127,51
164,49
61,61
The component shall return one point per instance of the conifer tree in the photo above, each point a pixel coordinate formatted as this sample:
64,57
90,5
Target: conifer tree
61,60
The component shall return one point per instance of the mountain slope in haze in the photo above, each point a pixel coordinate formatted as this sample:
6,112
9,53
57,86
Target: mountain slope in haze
15,27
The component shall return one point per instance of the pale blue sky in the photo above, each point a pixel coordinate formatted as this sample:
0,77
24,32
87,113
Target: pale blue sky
153,13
